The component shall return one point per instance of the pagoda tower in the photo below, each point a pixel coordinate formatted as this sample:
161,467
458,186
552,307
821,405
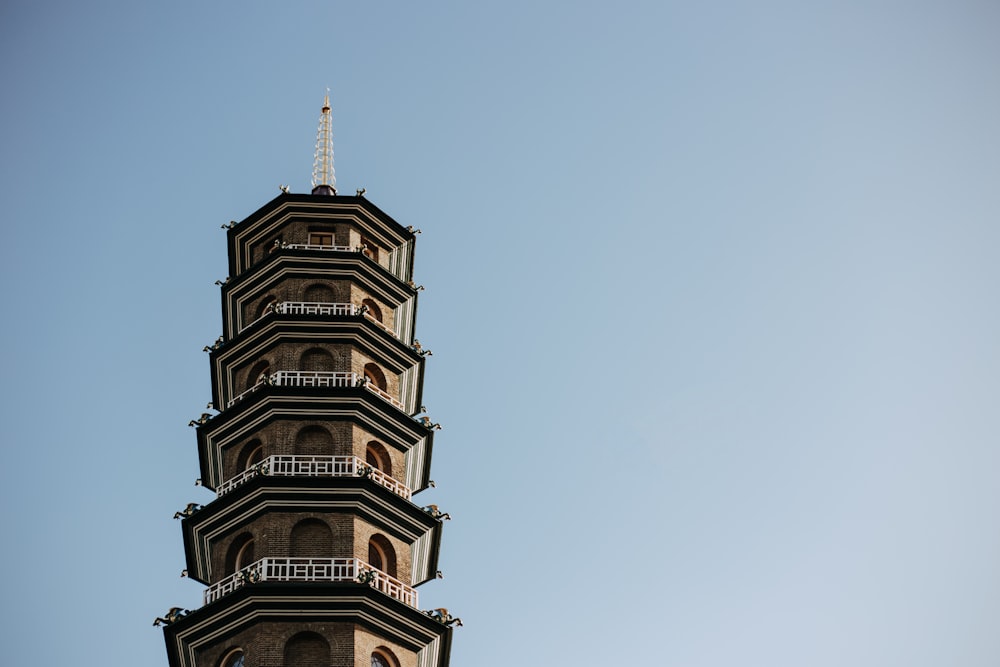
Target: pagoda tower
313,548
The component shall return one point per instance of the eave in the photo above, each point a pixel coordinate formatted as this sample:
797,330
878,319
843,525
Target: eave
354,404
309,602
351,266
283,208
356,496
289,329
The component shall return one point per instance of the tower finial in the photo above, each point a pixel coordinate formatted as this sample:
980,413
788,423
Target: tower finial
324,179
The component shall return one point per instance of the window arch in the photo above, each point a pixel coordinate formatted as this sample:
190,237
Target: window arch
245,555
313,441
375,375
369,249
240,554
251,454
233,658
381,555
316,359
383,657
377,457
318,293
311,538
266,304
257,372
307,649
373,309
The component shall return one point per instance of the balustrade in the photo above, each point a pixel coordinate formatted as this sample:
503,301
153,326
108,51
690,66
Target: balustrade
319,308
384,395
313,379
318,379
313,570
317,246
314,466
315,308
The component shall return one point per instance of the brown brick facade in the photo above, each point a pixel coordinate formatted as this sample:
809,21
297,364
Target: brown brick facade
298,232
309,356
298,535
366,643
314,290
272,644
310,437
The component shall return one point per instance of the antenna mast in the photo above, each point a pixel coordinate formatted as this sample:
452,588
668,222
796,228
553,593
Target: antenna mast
324,179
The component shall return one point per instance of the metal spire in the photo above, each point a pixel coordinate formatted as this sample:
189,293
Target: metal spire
324,180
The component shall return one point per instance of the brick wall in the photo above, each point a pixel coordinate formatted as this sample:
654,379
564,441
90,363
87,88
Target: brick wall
286,437
297,231
366,643
272,644
272,535
301,289
293,356
363,532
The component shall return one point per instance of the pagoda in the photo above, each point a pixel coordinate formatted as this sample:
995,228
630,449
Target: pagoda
313,549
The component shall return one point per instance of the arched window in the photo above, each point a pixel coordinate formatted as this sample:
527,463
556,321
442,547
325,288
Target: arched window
265,305
369,249
307,649
375,375
311,538
383,657
377,457
375,557
244,556
252,454
313,441
381,555
318,293
240,553
373,309
233,658
316,359
258,371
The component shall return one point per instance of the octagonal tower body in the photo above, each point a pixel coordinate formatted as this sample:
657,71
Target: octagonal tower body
314,546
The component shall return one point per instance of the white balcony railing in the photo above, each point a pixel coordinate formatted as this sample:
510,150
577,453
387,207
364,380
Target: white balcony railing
314,466
384,395
300,379
239,397
317,246
317,379
314,379
379,324
314,308
313,569
321,308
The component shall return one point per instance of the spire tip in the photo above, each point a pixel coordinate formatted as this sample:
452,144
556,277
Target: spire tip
324,178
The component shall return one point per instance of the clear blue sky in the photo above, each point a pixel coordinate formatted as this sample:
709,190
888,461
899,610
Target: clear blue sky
711,290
